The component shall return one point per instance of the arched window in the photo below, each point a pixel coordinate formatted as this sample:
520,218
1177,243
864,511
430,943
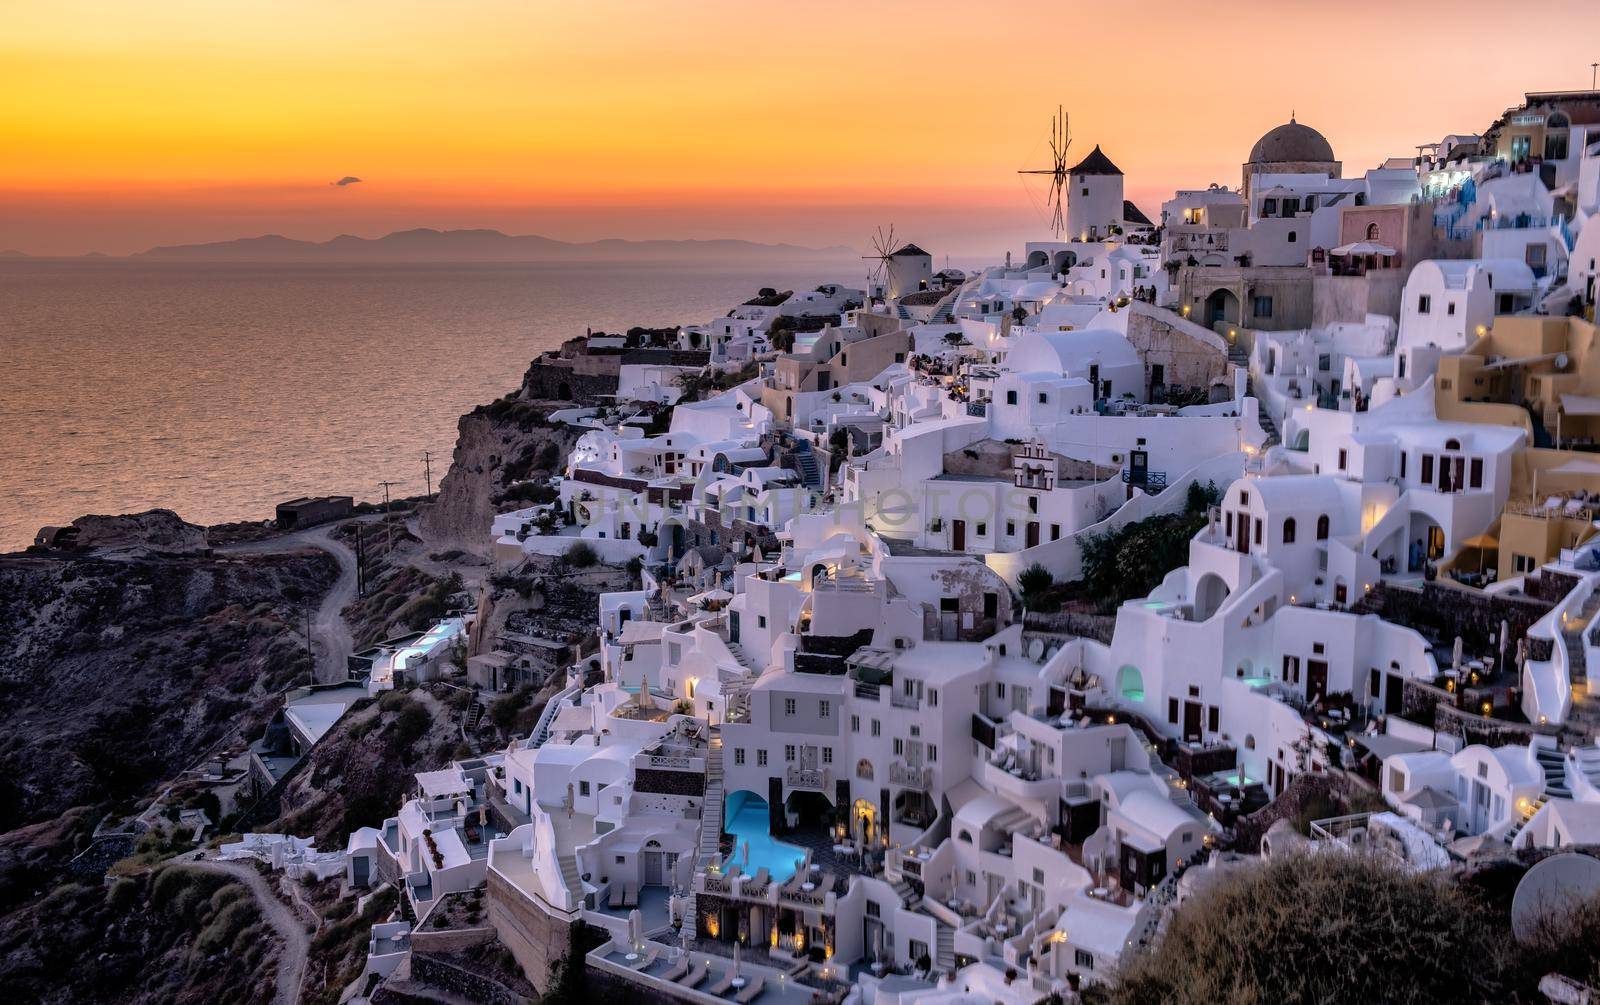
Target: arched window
1452,444
1322,527
864,769
1372,232
1288,531
1249,741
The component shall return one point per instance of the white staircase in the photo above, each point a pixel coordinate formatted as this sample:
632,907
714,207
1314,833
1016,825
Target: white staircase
944,955
710,824
1554,767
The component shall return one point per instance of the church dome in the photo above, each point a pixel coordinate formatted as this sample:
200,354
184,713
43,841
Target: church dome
1291,143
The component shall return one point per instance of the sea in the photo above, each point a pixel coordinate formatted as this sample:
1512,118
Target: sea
219,390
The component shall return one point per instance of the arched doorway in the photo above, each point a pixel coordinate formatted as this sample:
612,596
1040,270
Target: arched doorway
1130,684
1209,594
864,826
1065,260
1222,307
1038,259
563,391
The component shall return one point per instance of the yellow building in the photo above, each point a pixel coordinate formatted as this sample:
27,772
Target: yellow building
1541,374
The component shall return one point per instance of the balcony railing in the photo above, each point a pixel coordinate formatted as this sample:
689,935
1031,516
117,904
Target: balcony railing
915,777
899,699
804,778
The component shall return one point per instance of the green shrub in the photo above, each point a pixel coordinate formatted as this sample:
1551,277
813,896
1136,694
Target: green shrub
582,555
1035,582
1328,928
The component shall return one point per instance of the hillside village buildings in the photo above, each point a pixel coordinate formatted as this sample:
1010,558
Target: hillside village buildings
828,747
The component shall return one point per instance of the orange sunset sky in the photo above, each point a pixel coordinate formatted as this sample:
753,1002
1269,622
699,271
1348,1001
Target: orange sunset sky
132,124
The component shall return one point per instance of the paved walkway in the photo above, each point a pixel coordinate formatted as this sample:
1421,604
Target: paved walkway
296,943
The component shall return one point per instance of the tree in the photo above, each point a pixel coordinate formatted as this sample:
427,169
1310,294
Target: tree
1035,582
582,555
1328,928
1019,314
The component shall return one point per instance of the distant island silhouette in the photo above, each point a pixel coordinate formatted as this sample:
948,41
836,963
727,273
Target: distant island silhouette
427,245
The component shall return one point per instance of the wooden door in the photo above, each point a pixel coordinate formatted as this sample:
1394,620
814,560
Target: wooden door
958,535
1316,679
1191,720
1033,534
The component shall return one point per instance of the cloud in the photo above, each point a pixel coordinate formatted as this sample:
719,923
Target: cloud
348,179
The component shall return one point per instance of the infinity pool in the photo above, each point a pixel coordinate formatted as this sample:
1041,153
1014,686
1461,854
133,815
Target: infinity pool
746,819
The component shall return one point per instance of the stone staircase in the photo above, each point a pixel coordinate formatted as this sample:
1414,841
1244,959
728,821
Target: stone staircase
569,875
1587,760
1585,711
1538,804
908,895
710,822
810,471
946,314
1554,767
944,954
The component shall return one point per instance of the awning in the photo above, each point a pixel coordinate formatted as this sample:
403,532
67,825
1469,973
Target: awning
1363,248
1580,404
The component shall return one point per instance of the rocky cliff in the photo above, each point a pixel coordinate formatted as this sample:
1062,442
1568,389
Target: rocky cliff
116,673
499,449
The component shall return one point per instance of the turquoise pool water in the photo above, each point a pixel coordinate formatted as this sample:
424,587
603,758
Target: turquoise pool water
746,820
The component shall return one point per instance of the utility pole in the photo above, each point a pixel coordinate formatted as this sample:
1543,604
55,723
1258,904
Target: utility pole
427,471
1594,69
311,656
361,560
386,510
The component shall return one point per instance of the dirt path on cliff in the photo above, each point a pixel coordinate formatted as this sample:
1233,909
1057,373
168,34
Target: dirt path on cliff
296,943
331,639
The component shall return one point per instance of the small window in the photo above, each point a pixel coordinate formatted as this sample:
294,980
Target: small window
1372,232
1291,237
824,709
788,706
788,753
1322,527
1043,398
1288,531
1263,307
1344,459
761,757
1011,397
1424,304
738,755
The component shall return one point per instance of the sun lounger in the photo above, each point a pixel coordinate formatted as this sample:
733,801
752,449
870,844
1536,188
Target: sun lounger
677,971
722,986
749,992
697,975
630,895
614,899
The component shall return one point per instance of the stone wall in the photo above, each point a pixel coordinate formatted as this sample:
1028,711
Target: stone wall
673,783
538,940
1303,789
1445,612
449,940
560,380
454,980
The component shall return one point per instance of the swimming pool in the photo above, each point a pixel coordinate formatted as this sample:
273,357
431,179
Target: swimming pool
746,819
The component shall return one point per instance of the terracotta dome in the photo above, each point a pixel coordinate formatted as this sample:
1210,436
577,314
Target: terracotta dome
1291,143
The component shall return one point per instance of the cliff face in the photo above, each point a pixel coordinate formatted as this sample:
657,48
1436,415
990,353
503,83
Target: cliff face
498,446
117,673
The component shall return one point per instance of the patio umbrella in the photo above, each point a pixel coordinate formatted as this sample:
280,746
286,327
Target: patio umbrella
736,957
635,928
1484,543
1455,654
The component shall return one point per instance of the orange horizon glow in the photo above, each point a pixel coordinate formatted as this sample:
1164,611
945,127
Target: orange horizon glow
178,120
